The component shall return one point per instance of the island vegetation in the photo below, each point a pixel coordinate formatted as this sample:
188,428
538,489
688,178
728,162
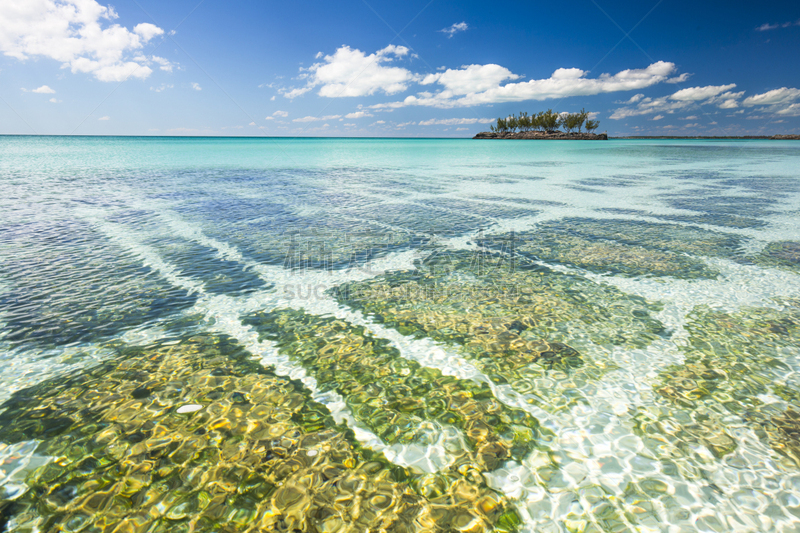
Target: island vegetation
547,121
544,125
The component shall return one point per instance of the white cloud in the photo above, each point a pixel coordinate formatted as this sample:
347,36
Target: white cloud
690,117
104,118
462,129
564,82
694,94
44,89
72,32
317,119
283,114
683,99
657,117
455,28
164,64
196,86
456,121
784,95
55,100
767,27
791,111
730,103
379,122
294,93
161,88
470,79
358,114
633,99
350,72
252,124
272,99
679,79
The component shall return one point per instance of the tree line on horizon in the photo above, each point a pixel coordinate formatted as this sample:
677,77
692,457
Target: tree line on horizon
546,121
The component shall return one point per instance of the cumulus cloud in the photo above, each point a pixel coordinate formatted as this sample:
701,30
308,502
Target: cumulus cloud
351,72
104,118
78,34
358,114
317,119
679,79
791,111
196,86
282,114
564,82
633,99
469,79
657,117
44,89
683,99
784,95
694,94
55,100
455,121
455,28
729,103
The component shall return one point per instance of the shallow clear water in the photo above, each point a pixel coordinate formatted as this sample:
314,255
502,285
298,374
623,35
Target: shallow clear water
581,336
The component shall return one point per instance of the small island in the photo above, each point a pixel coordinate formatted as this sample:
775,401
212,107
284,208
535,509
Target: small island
545,125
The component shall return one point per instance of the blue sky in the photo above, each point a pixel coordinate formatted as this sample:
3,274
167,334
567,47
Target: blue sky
379,68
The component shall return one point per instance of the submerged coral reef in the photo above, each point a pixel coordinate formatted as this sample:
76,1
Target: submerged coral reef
395,397
516,323
736,366
192,434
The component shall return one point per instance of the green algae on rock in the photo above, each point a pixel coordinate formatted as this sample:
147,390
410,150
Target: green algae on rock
733,359
258,455
552,243
396,397
784,254
518,324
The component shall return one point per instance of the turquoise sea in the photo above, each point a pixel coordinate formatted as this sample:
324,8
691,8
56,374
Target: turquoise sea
237,334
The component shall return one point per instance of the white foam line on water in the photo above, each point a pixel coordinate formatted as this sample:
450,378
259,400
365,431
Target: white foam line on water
18,460
739,286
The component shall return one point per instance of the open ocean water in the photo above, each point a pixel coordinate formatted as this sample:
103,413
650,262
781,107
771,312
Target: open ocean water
205,334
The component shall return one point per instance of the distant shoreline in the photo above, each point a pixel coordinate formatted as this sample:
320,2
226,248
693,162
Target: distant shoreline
757,137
